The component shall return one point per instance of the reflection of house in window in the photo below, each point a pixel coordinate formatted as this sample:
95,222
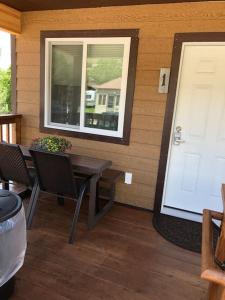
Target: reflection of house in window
117,100
102,99
108,96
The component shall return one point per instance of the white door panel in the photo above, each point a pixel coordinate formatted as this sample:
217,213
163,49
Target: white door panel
196,167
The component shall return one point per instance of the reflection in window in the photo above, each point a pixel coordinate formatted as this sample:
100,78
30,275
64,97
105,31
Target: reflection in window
102,99
110,102
66,84
104,72
117,100
86,84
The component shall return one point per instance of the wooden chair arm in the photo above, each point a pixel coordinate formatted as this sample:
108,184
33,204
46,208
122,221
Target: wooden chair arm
209,270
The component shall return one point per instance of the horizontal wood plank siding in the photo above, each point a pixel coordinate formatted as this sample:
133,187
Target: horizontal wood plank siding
10,19
157,24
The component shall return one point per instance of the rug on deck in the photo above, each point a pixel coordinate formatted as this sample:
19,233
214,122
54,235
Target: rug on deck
184,233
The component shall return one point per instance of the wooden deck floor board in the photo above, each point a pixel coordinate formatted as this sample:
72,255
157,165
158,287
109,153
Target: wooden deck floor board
122,258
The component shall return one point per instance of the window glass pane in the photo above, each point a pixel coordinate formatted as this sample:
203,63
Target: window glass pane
117,100
104,72
66,84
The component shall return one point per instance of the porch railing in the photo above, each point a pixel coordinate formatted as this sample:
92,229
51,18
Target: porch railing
10,128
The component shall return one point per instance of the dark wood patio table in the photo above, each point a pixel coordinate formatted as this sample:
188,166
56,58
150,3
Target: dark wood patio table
90,166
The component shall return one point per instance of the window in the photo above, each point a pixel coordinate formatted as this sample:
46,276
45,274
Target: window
110,101
102,99
86,85
117,100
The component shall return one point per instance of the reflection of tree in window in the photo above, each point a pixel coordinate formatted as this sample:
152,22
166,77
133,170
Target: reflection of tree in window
104,69
103,84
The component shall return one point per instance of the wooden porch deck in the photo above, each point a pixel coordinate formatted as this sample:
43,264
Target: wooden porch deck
122,258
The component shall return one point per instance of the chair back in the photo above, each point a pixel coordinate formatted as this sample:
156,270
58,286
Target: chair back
54,173
12,164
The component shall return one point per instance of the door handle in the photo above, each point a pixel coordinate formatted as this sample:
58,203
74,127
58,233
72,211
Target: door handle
177,137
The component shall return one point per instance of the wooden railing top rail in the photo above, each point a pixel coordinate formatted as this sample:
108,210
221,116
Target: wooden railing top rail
9,118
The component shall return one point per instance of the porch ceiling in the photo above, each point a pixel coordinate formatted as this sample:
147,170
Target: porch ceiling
31,5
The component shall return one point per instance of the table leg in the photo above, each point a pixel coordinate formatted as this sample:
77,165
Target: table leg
92,201
95,211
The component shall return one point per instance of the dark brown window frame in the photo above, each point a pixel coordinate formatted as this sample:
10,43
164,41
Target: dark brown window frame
133,34
179,39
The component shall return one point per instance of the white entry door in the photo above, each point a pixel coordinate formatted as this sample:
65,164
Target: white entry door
196,160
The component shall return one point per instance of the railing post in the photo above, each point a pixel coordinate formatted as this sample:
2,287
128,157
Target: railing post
18,130
10,128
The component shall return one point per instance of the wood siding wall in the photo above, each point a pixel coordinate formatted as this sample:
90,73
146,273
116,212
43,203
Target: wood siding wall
157,24
10,19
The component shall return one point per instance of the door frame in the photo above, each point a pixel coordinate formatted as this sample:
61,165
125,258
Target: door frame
179,39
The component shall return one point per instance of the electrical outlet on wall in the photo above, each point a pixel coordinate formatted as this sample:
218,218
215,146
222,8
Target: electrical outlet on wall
128,177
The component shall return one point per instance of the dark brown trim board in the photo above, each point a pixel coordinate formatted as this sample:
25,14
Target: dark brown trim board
133,33
33,5
13,73
179,39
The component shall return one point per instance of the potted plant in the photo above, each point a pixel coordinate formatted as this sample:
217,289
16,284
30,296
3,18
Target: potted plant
51,144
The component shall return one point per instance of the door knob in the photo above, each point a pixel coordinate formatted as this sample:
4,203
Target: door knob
177,138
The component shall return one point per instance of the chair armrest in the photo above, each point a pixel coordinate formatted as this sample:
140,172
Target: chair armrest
209,270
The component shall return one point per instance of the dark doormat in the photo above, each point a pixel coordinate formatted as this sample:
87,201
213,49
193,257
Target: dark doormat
184,233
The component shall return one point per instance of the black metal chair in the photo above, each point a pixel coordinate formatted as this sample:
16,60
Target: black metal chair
13,168
56,176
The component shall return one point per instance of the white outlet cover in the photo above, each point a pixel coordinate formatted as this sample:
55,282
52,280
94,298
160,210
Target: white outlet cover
128,178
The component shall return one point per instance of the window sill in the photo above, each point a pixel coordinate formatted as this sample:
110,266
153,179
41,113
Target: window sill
82,135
